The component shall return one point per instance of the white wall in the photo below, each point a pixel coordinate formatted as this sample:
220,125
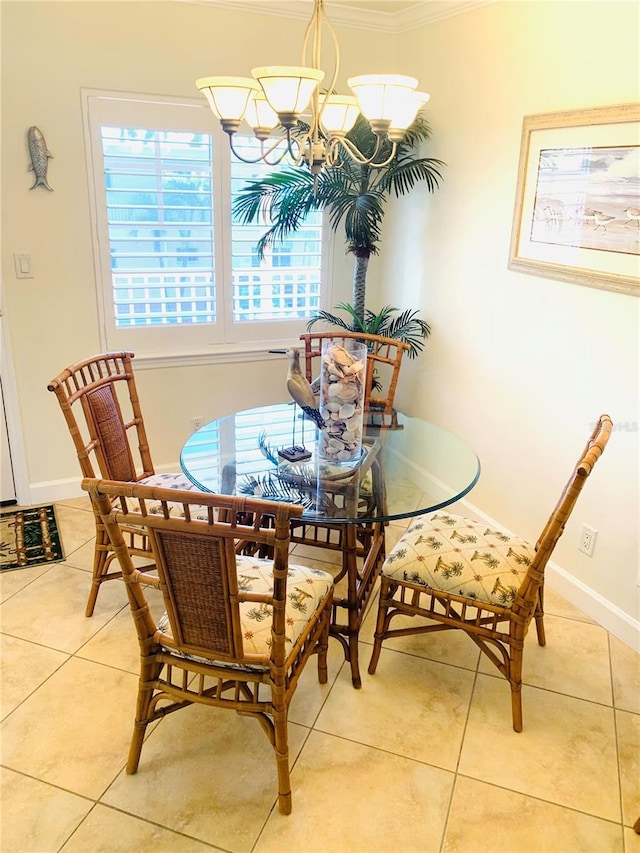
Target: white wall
518,365
521,366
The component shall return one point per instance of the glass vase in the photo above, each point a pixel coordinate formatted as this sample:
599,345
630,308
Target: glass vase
342,385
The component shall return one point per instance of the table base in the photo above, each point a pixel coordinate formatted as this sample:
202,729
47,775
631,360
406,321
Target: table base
355,541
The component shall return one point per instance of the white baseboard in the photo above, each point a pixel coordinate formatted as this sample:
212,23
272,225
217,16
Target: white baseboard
616,621
598,608
55,490
64,490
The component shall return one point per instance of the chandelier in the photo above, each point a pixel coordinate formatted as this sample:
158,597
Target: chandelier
293,117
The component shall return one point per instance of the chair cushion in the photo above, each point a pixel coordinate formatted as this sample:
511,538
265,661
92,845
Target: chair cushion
173,481
454,554
306,588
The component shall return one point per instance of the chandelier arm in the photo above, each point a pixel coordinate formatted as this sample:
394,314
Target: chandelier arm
356,154
263,154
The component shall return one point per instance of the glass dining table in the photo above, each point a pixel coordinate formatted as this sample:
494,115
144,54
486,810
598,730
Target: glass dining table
407,467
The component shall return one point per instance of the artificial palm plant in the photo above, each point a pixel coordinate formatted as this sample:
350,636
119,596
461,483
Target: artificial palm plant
353,194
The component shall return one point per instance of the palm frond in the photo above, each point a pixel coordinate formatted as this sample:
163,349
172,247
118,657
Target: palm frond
331,319
407,326
270,487
267,451
284,198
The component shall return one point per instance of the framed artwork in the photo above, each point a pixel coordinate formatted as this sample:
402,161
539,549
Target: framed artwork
577,210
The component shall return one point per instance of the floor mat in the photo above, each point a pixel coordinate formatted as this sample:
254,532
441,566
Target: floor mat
29,537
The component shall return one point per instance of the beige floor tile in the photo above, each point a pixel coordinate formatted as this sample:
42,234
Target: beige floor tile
631,841
566,753
82,557
628,726
625,666
23,668
404,496
83,502
395,708
74,731
207,773
310,555
574,661
37,817
116,644
106,830
392,534
556,605
76,527
50,611
452,647
13,580
349,798
484,817
310,695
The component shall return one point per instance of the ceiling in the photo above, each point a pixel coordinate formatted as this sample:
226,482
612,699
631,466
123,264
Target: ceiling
387,15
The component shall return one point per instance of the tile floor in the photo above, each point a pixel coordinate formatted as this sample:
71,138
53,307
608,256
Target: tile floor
422,758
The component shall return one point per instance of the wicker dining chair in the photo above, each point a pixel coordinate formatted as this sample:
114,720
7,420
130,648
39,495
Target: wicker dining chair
384,359
238,630
99,400
464,575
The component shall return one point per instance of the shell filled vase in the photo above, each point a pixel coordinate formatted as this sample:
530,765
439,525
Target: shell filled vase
342,386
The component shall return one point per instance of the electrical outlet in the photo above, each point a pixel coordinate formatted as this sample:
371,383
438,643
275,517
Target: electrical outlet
587,540
197,423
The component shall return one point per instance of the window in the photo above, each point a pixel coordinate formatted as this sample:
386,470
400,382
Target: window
175,273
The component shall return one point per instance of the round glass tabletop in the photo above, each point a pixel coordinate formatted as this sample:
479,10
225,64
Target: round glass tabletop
407,467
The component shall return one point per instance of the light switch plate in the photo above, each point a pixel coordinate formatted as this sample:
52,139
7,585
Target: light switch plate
22,264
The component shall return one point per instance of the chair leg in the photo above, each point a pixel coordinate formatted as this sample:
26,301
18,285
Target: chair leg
135,748
515,681
149,670
386,594
323,648
349,562
281,747
102,557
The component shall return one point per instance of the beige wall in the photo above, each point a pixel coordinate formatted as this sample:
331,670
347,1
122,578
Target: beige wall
521,366
50,51
518,365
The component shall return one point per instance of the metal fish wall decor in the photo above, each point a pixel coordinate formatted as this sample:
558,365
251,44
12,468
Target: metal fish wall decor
40,155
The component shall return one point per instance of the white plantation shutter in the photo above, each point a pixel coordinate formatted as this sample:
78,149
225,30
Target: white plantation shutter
286,284
175,274
159,204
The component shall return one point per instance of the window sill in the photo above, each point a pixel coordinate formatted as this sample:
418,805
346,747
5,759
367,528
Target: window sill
227,354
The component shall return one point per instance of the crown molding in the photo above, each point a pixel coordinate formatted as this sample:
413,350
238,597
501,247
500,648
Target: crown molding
421,13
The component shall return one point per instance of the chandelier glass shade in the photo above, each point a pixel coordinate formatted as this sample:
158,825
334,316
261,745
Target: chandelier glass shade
292,117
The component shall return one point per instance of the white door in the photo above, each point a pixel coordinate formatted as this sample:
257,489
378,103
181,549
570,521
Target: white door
7,487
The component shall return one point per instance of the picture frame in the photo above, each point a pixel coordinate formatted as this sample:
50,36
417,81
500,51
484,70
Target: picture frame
577,207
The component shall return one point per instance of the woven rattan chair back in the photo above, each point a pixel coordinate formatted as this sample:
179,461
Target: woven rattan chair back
99,400
383,365
204,591
103,388
499,631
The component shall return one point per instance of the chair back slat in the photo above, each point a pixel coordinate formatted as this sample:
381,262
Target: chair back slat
384,359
